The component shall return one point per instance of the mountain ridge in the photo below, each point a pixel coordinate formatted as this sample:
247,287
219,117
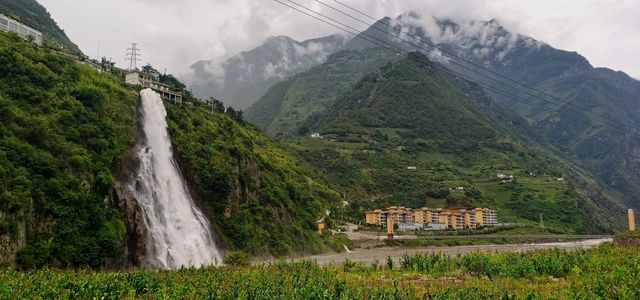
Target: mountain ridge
579,136
410,113
241,79
35,15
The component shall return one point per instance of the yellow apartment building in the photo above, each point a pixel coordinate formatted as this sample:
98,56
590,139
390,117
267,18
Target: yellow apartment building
486,217
455,219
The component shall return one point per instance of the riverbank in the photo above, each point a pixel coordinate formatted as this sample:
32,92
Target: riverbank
381,253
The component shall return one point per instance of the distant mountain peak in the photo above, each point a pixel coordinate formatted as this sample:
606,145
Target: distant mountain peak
243,78
479,40
278,40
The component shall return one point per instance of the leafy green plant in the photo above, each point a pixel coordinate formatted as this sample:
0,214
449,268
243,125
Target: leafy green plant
237,258
64,127
605,272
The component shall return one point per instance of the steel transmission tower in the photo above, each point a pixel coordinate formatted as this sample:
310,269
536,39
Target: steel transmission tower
133,56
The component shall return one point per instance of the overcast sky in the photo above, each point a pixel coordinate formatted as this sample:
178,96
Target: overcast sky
173,34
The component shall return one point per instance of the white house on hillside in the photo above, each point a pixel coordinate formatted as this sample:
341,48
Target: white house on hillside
26,32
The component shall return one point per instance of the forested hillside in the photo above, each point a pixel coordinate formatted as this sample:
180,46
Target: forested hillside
35,15
64,127
263,199
289,108
586,114
65,134
414,114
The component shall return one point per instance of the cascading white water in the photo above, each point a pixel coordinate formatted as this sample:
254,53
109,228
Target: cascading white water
178,233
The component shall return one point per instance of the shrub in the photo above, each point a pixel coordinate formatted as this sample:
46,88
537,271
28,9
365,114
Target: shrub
237,258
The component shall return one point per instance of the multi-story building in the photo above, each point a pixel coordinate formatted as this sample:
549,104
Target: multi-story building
433,218
397,214
401,214
373,217
486,217
470,219
148,81
490,217
444,217
424,215
26,32
456,219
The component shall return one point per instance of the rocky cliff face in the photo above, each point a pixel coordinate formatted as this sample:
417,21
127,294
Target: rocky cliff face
135,225
128,205
13,239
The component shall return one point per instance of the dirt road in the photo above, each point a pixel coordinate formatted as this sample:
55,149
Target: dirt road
370,255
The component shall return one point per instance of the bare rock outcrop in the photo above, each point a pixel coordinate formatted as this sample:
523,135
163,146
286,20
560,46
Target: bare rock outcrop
136,227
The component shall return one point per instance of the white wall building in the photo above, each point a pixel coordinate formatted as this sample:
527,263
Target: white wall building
410,226
146,80
28,33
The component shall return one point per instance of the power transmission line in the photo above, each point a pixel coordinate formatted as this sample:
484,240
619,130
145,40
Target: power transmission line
398,50
399,29
350,30
535,92
449,71
132,56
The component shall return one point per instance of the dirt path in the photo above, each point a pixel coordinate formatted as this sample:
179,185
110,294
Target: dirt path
370,255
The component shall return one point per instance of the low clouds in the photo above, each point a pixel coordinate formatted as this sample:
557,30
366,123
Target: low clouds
175,34
485,40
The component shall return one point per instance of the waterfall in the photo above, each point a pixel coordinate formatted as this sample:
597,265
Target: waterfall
178,233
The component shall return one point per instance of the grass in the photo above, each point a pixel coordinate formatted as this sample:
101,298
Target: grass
448,242
502,230
605,272
629,233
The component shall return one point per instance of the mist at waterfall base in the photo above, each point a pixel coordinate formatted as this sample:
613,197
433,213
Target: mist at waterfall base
178,233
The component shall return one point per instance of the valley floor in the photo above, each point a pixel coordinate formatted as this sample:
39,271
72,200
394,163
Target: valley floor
381,253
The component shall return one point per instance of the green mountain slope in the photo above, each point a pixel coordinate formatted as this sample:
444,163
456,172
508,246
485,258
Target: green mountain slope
586,115
289,108
63,129
65,136
35,15
243,78
412,114
263,199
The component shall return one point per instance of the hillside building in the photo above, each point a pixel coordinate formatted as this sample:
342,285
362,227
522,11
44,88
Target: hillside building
8,24
148,81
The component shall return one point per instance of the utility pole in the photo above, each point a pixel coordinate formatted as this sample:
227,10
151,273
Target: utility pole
133,56
541,222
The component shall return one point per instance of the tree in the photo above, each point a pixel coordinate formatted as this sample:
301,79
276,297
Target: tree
151,70
106,64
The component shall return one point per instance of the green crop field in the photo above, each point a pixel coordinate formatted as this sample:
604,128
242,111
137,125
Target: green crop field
605,272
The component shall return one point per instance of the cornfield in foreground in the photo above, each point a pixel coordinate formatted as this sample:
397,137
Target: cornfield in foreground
604,272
